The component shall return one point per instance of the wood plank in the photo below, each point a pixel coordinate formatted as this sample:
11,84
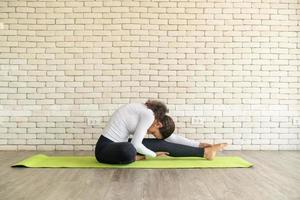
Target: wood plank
276,175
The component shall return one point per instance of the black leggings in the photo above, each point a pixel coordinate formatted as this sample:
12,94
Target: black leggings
107,151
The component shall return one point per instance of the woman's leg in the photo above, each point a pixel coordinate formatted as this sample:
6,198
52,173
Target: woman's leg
175,150
115,152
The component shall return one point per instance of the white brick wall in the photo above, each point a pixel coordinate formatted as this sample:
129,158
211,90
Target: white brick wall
235,64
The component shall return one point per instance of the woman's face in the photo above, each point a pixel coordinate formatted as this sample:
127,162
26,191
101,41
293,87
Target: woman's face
154,129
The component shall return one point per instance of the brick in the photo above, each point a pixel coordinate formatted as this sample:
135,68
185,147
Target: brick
198,57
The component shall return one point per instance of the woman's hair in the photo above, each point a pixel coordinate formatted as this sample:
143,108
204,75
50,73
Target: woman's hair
168,127
159,108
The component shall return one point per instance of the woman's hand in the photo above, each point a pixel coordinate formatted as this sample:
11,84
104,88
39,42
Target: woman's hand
140,157
204,145
161,153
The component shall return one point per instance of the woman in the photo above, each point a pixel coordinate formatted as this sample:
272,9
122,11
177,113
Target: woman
138,119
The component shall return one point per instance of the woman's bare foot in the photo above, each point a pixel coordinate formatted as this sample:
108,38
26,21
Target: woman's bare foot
222,146
140,157
204,145
210,152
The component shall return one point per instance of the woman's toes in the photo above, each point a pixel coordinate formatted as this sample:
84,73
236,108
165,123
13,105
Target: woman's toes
220,147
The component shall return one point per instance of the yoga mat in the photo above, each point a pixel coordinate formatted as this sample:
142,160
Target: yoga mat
44,161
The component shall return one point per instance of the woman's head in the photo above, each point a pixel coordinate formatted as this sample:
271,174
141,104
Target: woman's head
162,129
168,127
159,108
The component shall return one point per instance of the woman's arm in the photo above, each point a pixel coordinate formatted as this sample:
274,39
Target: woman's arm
145,121
182,140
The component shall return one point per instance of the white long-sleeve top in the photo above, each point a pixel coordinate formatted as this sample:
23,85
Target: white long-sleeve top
135,119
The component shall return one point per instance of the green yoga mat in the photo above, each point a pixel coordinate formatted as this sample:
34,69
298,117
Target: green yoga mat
41,160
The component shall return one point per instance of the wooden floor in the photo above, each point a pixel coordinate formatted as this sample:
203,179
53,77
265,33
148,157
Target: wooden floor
276,175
